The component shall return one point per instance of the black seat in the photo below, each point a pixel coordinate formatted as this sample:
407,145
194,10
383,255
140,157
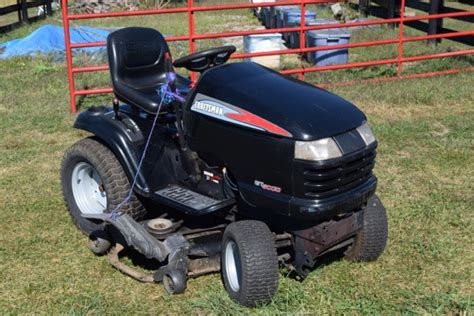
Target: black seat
137,66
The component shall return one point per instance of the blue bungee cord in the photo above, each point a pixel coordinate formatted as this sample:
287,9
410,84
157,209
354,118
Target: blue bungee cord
167,96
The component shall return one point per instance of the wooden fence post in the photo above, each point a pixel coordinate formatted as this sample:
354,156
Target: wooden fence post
391,12
18,9
435,25
24,11
49,7
364,8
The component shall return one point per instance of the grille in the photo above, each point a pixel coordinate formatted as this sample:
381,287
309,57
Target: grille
327,180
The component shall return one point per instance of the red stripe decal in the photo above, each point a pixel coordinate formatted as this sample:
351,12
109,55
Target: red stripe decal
252,119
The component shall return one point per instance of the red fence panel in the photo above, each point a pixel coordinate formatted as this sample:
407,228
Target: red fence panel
192,37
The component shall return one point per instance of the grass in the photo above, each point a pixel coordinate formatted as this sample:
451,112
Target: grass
426,132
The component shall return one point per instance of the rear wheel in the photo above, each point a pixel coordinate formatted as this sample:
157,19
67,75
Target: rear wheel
249,263
93,182
371,240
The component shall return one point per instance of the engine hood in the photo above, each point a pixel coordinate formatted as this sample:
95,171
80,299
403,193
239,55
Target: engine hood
305,111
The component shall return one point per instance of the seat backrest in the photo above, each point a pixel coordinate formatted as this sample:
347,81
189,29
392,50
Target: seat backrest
136,57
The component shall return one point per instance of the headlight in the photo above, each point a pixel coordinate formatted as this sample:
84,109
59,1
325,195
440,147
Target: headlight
321,149
366,133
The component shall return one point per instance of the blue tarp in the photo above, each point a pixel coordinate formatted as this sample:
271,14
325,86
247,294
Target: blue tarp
49,39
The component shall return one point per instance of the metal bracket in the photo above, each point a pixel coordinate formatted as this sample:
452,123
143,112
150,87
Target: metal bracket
115,261
312,242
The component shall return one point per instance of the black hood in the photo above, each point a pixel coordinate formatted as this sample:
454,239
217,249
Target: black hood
307,112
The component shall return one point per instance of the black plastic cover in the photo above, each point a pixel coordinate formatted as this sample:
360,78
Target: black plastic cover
307,112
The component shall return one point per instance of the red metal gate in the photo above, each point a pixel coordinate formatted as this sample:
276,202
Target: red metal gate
192,37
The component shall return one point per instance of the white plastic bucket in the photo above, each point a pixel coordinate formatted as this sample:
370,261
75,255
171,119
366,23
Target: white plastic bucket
264,43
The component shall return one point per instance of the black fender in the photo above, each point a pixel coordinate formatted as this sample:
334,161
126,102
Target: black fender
122,137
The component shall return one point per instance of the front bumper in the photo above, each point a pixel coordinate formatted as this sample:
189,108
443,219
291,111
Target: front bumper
310,209
330,207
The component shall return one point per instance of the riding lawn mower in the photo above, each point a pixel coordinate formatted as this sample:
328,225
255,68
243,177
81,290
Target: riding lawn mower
244,172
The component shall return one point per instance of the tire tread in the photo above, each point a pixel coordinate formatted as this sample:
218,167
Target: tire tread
259,260
371,240
113,176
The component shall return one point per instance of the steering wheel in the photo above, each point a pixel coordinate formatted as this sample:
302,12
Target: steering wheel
205,59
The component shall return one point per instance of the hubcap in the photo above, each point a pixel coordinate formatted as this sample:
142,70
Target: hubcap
233,269
88,190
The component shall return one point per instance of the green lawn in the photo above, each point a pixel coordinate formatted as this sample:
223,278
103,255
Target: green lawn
426,180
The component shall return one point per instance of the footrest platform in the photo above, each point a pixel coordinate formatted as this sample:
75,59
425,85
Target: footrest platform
190,201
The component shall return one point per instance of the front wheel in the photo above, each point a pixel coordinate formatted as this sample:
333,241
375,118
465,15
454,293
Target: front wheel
249,263
93,182
174,282
371,240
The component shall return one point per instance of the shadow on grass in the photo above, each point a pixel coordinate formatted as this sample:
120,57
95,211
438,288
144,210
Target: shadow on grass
325,260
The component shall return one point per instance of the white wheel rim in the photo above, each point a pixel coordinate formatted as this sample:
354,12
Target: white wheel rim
233,269
87,189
